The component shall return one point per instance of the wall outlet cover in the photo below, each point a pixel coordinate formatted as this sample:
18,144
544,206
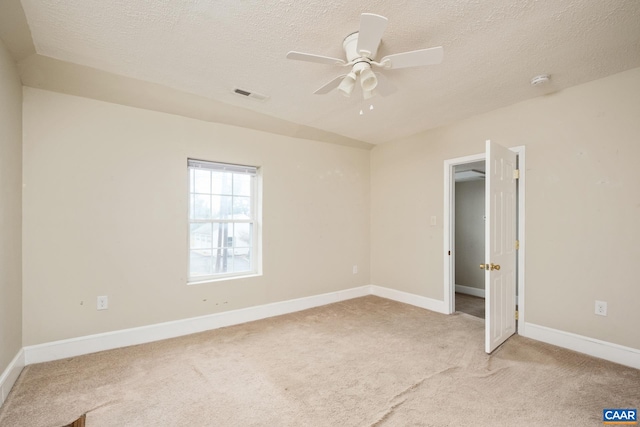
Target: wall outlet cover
601,308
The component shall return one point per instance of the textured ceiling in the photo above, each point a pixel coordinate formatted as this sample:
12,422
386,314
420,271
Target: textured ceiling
205,47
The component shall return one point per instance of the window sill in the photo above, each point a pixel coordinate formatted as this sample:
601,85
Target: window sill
224,279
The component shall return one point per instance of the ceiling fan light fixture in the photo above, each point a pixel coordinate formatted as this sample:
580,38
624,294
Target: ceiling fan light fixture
368,80
347,84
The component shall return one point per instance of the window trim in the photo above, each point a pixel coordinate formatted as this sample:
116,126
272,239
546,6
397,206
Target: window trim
255,220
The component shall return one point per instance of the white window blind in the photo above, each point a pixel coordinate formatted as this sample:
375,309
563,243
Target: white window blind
225,167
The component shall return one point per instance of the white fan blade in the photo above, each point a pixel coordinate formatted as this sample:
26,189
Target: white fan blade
415,58
330,86
371,28
384,86
309,57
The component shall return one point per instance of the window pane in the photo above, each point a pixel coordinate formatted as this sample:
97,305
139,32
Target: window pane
200,236
202,181
242,235
222,234
222,182
202,206
241,260
218,233
241,185
221,207
241,208
200,263
223,260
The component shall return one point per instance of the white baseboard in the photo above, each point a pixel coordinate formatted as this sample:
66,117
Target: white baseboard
10,375
407,298
476,292
593,347
144,334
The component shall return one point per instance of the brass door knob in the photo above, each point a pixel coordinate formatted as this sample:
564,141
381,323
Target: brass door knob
484,266
495,266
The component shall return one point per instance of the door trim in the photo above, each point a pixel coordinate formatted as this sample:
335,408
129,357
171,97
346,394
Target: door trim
448,222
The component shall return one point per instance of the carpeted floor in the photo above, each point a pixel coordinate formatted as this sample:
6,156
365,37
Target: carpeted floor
470,305
362,362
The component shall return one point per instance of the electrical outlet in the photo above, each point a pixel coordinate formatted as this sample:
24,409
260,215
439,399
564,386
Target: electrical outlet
103,302
601,308
355,269
433,220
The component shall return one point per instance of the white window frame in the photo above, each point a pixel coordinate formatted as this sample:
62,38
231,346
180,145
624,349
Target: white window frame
254,220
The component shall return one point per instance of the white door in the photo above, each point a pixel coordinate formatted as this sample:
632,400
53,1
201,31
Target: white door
500,241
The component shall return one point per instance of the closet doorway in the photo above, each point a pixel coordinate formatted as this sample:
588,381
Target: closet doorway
469,232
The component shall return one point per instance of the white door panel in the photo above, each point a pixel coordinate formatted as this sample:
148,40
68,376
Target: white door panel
500,254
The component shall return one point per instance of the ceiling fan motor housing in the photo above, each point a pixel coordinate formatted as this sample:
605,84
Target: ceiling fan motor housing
350,46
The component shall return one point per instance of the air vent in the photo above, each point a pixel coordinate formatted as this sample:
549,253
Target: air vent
248,94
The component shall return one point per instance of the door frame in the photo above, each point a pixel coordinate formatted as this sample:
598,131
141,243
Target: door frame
449,223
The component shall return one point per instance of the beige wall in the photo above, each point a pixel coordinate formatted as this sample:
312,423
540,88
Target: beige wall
582,205
105,211
469,233
105,207
10,209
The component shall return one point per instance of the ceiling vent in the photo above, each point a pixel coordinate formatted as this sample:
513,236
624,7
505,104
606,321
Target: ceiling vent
248,94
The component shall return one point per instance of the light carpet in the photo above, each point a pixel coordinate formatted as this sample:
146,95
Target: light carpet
363,362
470,304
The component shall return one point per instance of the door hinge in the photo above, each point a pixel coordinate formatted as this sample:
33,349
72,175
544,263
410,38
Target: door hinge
517,245
516,174
517,315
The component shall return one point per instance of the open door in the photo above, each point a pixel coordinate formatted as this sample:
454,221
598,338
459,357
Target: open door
500,241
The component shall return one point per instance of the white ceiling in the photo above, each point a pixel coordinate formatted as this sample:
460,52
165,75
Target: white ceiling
492,50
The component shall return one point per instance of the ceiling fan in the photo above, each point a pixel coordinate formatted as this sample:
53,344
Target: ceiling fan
361,49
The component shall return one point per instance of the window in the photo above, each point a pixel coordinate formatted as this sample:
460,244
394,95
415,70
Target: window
223,226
